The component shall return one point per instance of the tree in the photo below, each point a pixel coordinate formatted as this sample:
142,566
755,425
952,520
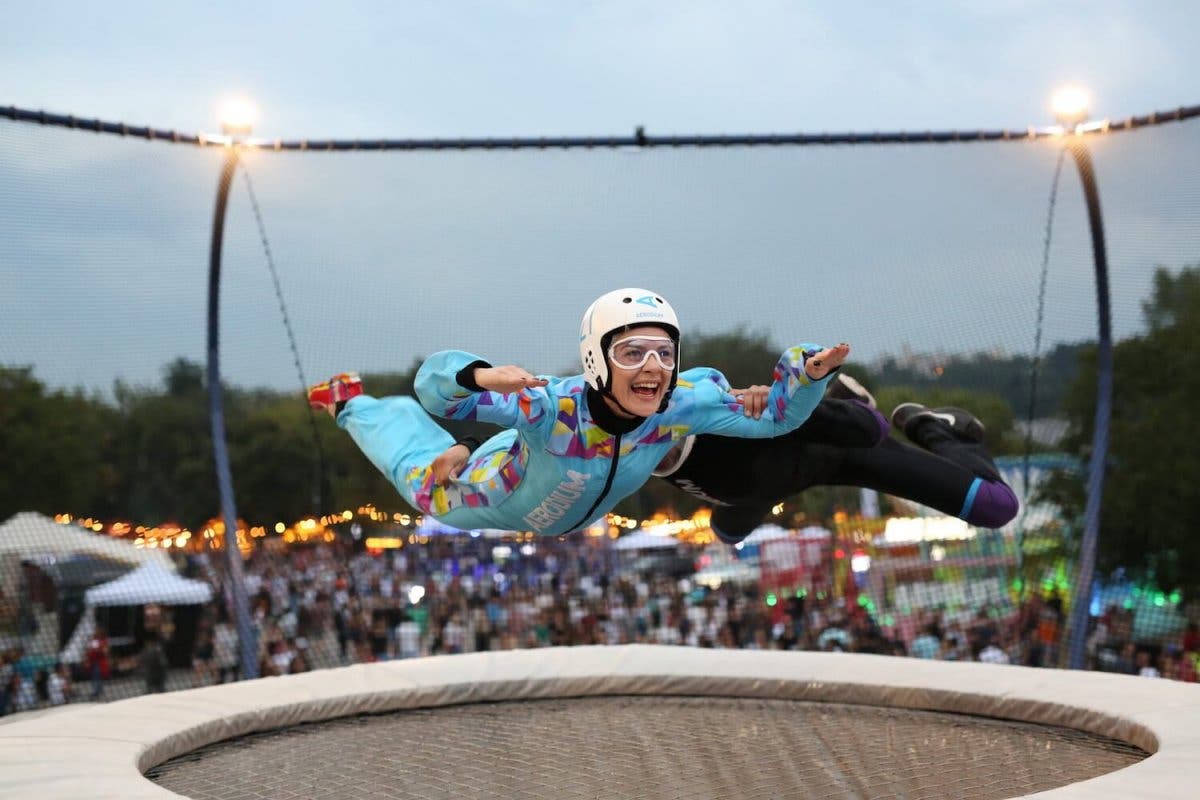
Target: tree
273,458
1009,376
57,446
744,357
1152,474
164,452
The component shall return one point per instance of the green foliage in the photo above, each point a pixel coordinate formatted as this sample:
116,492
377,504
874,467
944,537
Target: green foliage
744,357
275,464
56,448
1010,377
163,454
147,457
1175,302
1152,474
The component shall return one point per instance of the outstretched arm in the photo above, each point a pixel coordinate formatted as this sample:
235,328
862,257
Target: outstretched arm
798,385
838,423
459,385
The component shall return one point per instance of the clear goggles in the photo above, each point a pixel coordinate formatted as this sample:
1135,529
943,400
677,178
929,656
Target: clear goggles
634,352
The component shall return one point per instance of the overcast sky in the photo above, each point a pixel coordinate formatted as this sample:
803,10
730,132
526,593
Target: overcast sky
520,68
103,241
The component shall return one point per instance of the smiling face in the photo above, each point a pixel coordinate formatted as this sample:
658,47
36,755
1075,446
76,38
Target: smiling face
640,389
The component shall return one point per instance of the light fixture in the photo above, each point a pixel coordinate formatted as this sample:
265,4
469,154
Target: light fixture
238,116
1070,105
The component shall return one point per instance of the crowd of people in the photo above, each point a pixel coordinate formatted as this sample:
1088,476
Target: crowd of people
333,604
328,605
42,688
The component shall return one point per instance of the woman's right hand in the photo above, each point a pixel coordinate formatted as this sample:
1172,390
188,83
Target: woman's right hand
506,380
450,464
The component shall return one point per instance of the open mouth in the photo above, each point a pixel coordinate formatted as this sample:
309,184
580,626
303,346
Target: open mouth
646,389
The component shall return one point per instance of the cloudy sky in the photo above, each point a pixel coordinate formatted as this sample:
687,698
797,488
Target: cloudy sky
103,244
513,68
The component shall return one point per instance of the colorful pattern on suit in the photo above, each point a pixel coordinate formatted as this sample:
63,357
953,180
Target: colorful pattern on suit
551,466
485,480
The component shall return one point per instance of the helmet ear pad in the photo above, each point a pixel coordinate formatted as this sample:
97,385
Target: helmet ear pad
598,364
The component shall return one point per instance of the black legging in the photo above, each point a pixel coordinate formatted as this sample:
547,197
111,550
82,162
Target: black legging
946,472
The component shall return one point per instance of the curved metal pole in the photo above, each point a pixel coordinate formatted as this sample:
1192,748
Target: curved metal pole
235,585
1104,385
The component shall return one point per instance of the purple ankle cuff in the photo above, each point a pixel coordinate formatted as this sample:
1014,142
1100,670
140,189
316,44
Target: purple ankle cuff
995,505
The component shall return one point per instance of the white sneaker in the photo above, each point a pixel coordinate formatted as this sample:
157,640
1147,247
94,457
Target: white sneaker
843,387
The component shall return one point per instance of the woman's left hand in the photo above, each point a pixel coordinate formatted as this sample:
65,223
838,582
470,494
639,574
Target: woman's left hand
753,399
818,365
449,464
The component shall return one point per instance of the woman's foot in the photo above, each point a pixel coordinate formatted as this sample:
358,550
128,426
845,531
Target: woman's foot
331,395
843,387
908,416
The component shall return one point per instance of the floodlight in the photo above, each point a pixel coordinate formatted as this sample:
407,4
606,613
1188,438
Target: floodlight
1070,105
237,116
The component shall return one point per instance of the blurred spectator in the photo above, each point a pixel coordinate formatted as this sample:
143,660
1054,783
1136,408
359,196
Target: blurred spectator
378,638
204,665
58,687
408,637
927,645
96,661
226,651
992,654
9,690
454,635
1191,639
300,655
153,661
983,631
41,686
1125,663
7,668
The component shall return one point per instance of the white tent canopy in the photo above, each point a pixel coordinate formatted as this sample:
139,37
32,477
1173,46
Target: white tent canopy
644,541
767,533
770,532
30,534
149,583
431,526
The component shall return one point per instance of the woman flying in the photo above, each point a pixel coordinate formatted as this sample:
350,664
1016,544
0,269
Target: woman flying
573,447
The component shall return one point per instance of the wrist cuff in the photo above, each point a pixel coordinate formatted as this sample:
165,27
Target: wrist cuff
469,442
465,377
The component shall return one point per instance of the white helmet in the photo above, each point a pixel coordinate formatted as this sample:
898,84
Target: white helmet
615,312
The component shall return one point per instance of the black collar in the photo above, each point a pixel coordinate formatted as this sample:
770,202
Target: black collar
606,418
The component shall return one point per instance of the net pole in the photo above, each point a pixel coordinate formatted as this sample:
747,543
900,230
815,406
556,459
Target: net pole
1085,573
235,586
1034,370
